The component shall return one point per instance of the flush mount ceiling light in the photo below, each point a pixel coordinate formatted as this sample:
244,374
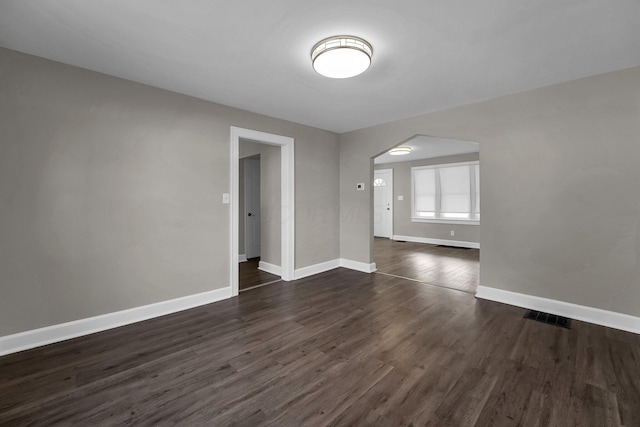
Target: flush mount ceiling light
400,151
341,57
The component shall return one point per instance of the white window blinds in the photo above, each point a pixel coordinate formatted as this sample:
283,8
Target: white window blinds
455,192
425,191
447,192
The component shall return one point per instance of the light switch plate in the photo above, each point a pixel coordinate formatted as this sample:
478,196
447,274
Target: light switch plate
360,186
225,198
400,197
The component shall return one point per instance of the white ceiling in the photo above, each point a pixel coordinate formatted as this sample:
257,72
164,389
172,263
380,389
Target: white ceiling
427,147
254,54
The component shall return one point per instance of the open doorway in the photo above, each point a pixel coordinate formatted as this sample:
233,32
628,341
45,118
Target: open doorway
283,212
259,252
435,212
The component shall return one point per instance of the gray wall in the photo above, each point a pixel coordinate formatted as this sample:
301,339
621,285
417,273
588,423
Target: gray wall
402,224
559,184
111,193
270,196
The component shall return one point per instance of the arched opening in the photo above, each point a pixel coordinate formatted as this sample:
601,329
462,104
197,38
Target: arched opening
425,211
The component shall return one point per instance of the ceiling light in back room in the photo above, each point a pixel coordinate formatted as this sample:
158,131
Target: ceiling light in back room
341,57
400,151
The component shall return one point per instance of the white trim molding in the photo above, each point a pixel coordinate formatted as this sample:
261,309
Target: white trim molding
584,313
303,272
358,266
77,328
334,263
446,221
458,243
287,197
270,268
242,258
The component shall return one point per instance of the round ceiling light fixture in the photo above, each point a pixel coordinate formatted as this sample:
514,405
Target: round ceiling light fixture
341,57
400,151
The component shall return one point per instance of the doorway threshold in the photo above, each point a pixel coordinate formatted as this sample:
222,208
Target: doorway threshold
261,285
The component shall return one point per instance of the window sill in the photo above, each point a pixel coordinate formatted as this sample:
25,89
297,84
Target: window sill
447,221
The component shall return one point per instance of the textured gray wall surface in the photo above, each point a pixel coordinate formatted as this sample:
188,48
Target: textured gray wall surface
111,193
559,182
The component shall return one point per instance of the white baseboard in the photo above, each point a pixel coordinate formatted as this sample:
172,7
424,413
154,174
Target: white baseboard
584,313
330,265
316,269
458,243
357,265
64,331
319,268
270,268
242,258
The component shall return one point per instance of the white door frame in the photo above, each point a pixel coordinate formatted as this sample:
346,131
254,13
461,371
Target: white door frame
287,199
390,184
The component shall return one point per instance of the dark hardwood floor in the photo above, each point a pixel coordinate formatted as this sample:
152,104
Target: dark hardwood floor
455,268
339,348
249,275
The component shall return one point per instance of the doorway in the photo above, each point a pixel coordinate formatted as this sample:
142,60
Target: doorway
259,220
383,203
285,213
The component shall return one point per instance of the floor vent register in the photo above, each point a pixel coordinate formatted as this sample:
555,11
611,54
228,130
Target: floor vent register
551,319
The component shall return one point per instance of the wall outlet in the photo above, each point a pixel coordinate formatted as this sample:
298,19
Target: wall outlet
360,186
400,197
453,233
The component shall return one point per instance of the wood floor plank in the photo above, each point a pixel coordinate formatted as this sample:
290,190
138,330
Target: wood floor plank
508,402
466,399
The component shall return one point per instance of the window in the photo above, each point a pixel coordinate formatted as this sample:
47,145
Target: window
379,182
455,193
424,195
444,193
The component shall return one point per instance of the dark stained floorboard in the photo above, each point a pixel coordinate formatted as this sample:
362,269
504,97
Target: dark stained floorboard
339,348
249,275
449,267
